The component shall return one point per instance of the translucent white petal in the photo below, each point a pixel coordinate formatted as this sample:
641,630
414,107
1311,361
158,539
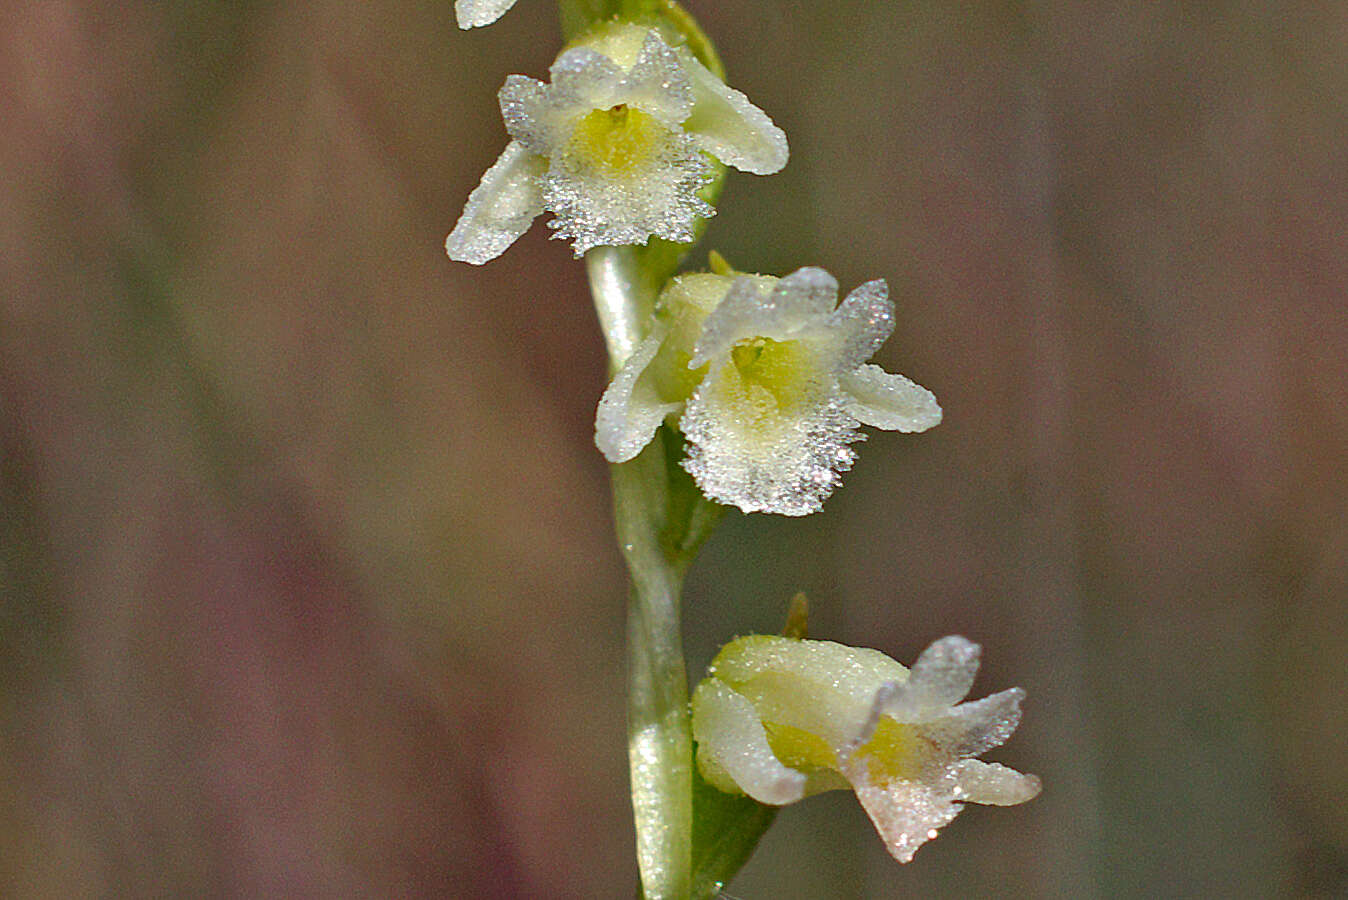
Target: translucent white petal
939,679
810,705
657,84
787,677
531,115
731,738
500,208
977,726
585,78
809,291
594,208
472,13
729,127
749,310
857,672
865,318
992,783
906,813
888,401
784,462
630,410
795,307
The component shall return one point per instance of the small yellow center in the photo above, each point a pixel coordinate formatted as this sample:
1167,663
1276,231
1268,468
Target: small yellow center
798,748
616,140
776,374
892,752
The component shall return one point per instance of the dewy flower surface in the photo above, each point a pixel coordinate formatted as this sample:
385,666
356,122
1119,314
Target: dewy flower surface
616,147
779,718
472,13
768,382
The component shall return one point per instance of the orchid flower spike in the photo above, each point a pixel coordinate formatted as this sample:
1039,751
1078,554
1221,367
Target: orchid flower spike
474,13
768,382
779,719
616,147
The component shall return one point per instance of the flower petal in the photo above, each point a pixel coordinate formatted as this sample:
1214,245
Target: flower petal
889,401
472,13
630,410
657,84
977,726
992,783
760,459
592,208
866,318
729,127
856,672
746,311
531,116
500,208
760,306
769,436
585,78
906,813
806,292
939,679
731,742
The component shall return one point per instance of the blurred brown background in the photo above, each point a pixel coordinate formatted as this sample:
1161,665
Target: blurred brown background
307,582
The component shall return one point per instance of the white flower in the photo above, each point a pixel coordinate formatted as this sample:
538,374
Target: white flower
615,147
471,13
779,719
768,383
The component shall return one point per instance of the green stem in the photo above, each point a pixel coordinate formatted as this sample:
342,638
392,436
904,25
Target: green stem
659,740
624,296
661,519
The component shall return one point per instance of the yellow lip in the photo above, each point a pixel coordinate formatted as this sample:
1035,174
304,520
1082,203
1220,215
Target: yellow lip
616,141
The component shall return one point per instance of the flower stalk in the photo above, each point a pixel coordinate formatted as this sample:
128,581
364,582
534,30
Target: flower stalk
659,737
659,747
726,387
624,295
660,521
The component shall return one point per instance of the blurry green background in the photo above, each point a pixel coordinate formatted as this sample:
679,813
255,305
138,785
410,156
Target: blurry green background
308,588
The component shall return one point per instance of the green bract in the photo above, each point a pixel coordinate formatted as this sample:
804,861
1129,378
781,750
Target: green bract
779,718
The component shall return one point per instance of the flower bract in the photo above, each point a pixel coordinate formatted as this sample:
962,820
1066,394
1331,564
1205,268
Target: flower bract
617,147
779,718
768,381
